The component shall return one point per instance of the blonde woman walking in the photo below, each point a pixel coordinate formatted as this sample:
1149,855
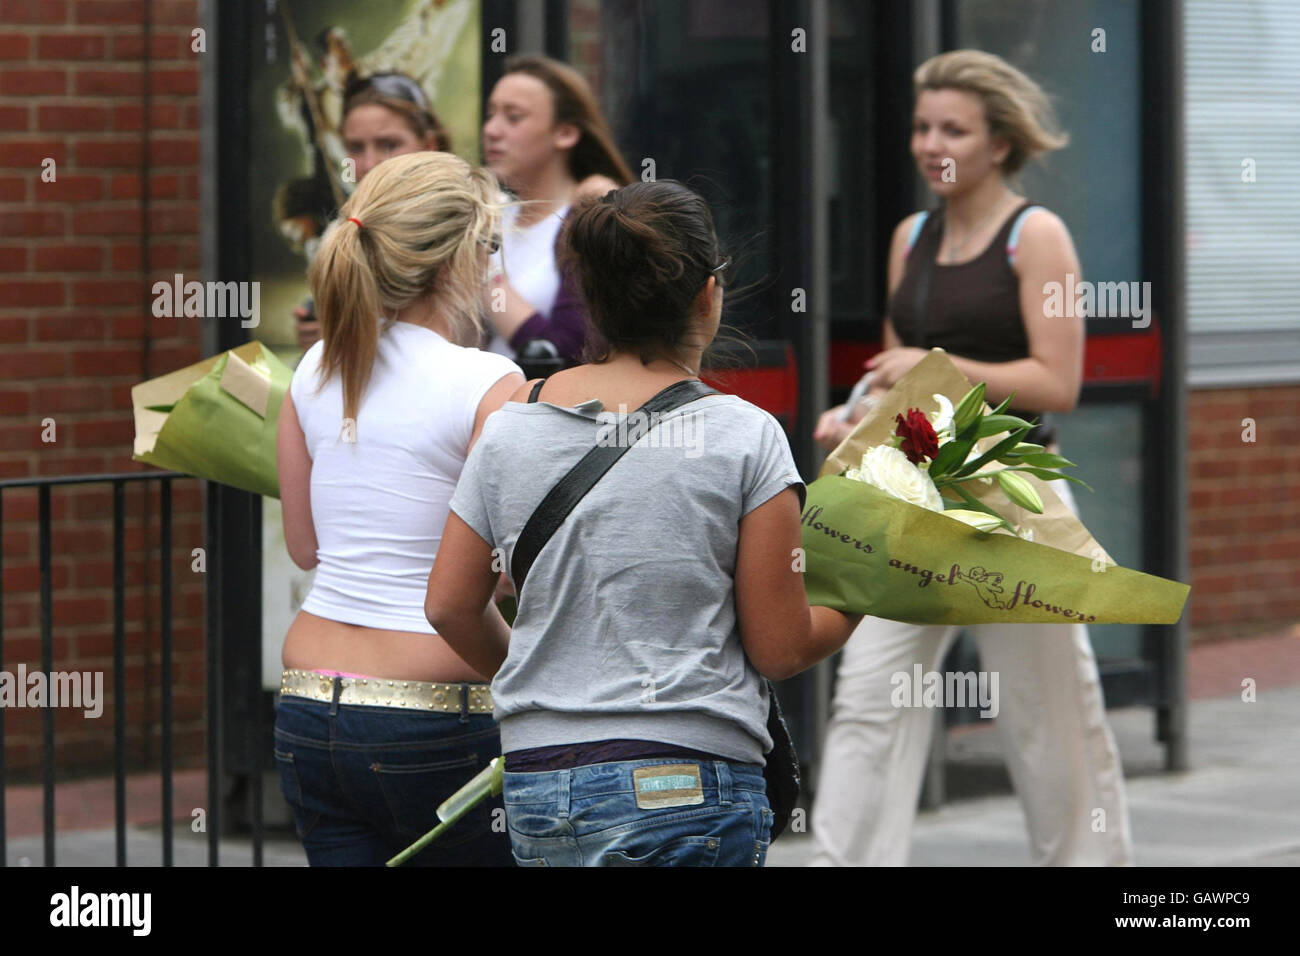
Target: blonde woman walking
970,278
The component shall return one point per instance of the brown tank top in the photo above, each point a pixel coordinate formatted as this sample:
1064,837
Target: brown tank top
972,309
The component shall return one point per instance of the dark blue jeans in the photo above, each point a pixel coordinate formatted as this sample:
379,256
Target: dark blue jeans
365,783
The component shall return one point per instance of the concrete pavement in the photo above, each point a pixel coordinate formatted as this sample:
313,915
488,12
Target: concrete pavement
1238,805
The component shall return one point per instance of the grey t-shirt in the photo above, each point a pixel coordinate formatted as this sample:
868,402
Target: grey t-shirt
627,622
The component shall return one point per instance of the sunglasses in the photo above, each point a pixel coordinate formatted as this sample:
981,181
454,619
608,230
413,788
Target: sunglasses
720,268
395,85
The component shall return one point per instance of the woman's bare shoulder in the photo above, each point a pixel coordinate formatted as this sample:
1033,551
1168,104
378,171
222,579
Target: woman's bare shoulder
1042,225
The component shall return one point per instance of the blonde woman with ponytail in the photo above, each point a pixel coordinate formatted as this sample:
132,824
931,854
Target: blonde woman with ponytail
379,720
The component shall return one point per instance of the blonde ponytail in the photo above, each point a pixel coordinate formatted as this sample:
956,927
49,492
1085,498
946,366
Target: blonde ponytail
426,222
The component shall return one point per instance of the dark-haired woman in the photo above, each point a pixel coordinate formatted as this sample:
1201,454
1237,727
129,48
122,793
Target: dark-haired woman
632,709
386,114
547,142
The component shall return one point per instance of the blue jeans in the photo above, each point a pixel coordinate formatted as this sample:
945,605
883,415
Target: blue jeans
364,783
602,815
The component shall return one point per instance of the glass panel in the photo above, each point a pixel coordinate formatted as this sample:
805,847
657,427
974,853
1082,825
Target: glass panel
851,162
685,87
1092,183
1106,441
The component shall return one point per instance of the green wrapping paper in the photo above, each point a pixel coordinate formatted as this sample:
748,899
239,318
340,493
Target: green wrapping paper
869,553
216,419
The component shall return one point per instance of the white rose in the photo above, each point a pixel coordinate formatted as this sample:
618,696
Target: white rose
888,469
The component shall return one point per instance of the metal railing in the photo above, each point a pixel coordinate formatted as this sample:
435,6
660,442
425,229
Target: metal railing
44,487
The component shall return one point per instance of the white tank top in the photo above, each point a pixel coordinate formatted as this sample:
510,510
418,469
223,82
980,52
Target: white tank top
528,256
379,504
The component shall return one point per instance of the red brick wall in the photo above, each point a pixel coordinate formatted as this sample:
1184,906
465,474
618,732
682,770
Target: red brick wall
77,258
1244,511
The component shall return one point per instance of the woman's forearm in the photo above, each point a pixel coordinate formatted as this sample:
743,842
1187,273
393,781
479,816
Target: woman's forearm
567,328
1035,386
480,640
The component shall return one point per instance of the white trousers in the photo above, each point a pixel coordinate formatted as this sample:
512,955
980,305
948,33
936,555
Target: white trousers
1051,721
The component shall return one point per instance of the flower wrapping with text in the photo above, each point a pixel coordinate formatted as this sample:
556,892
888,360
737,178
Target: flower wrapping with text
879,534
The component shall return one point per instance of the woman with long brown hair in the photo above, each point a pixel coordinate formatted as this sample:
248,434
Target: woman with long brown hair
972,278
379,720
546,140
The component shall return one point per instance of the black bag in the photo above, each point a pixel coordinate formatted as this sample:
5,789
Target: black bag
781,772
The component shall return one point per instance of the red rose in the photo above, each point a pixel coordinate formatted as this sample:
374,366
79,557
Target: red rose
919,440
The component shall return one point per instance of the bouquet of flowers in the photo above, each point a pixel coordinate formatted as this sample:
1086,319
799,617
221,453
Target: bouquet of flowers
936,511
216,419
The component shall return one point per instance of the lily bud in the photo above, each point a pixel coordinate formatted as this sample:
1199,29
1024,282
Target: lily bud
1020,491
976,519
969,407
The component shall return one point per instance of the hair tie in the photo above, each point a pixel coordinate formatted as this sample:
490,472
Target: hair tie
356,220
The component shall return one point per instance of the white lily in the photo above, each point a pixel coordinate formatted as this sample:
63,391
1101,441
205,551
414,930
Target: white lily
942,421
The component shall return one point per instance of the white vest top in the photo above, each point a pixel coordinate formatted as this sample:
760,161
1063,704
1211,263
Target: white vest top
379,503
528,256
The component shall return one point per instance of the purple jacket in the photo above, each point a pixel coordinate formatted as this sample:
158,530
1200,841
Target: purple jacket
568,328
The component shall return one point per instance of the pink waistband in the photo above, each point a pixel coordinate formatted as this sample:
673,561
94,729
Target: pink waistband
341,674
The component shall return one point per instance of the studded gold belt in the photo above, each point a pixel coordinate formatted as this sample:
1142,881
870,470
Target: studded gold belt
377,692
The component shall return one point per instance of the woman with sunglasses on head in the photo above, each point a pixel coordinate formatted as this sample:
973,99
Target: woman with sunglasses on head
971,278
546,140
630,694
385,114
379,720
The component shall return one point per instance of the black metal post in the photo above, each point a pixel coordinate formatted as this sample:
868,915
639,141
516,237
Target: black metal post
119,670
495,15
47,665
557,29
165,546
1164,255
2,667
791,147
215,684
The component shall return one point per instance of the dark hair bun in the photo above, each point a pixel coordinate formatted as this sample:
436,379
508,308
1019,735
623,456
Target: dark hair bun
642,254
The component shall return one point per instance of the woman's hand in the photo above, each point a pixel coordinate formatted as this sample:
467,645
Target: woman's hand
888,366
832,428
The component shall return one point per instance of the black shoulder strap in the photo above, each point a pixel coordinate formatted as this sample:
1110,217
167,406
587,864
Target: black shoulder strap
532,396
562,499
925,263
